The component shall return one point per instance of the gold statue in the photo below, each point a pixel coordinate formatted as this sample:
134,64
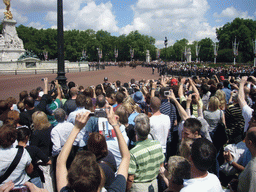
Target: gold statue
8,13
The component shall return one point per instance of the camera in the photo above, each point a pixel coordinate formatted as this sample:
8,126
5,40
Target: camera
20,188
166,93
99,113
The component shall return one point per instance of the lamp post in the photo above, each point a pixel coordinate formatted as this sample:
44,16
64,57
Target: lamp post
165,44
235,50
116,54
61,65
131,53
216,47
254,51
197,51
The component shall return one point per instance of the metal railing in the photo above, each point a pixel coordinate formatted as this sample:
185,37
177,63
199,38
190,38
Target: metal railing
52,71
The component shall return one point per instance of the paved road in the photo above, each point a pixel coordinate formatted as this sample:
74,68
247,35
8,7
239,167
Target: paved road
12,85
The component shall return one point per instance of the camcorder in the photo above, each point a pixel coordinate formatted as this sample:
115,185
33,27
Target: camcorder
99,112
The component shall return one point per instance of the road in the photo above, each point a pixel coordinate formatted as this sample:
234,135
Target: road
12,85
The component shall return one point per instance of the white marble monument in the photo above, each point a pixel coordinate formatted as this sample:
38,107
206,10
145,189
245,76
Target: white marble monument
11,46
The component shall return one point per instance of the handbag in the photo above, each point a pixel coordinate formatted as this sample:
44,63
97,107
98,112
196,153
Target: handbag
13,165
219,136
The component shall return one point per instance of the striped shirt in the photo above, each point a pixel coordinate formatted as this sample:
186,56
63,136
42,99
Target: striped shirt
234,121
169,109
146,158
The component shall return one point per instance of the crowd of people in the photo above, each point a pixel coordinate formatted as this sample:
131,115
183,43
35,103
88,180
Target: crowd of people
168,134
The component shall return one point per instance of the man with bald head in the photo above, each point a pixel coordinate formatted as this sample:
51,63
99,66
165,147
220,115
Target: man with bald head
70,105
159,123
26,116
247,179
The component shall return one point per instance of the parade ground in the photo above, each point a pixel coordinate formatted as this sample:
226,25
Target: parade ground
12,85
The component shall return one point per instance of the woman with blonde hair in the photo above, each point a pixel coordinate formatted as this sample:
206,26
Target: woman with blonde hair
132,108
41,137
222,99
214,115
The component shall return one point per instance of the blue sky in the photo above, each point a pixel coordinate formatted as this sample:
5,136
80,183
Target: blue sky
175,19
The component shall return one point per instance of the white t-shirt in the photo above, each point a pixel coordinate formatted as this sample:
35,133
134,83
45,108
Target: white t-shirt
210,183
19,175
159,128
247,114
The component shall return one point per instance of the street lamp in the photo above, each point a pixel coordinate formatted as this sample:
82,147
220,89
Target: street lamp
216,47
165,44
116,54
61,65
235,50
131,53
254,51
197,51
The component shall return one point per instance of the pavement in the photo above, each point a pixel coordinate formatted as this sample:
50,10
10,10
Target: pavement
12,85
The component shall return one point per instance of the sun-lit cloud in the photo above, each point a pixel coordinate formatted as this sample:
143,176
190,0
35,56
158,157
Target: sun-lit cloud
231,12
175,19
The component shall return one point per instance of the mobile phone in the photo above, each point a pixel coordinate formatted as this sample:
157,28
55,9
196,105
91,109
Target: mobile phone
166,93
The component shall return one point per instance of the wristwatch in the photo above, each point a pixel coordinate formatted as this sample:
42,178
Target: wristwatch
230,162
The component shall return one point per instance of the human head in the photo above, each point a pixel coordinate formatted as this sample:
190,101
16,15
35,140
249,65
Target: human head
97,145
185,147
225,83
155,104
191,128
11,101
59,115
142,126
23,95
84,173
8,134
81,100
14,116
122,114
250,139
73,92
235,97
29,102
118,83
100,101
40,120
23,133
119,97
34,94
71,84
178,169
3,106
138,97
214,103
88,92
203,154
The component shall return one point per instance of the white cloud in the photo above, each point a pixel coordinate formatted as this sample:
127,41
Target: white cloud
175,19
36,25
91,16
232,13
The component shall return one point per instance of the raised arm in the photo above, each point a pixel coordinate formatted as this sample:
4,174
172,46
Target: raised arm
194,89
124,166
61,169
241,97
180,109
180,91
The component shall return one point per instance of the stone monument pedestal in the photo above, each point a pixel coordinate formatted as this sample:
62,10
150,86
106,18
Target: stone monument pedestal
11,46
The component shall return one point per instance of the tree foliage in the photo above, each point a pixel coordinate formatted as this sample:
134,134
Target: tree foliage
75,41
